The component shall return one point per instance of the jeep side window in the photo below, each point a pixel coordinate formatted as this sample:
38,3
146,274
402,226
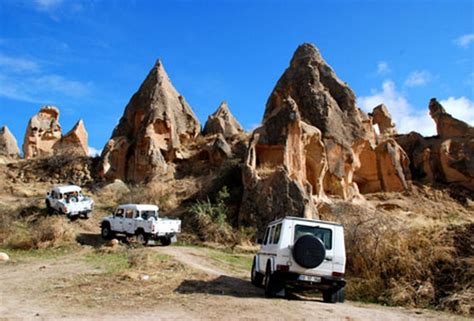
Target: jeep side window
265,238
129,213
270,234
276,236
119,212
323,234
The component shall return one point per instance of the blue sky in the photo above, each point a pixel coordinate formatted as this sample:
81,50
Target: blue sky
89,57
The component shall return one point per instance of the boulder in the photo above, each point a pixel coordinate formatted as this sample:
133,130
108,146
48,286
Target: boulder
219,150
117,188
74,142
42,133
8,144
4,257
155,124
222,122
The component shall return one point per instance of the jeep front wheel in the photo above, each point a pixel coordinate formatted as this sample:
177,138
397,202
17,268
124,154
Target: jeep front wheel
256,277
49,208
165,241
106,232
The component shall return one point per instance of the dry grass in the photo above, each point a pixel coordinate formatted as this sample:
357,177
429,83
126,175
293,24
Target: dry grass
400,259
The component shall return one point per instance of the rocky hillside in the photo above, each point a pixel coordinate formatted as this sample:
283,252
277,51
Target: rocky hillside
406,200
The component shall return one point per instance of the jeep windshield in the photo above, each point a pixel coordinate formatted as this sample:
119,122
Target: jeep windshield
323,234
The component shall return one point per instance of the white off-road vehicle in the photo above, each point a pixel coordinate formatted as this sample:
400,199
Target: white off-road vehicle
301,254
69,200
141,221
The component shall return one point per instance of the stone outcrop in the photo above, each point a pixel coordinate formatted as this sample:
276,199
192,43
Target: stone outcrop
222,122
446,125
219,151
447,157
155,124
381,117
42,133
75,142
8,144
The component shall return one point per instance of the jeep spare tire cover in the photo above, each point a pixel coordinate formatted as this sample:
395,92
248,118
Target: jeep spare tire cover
309,251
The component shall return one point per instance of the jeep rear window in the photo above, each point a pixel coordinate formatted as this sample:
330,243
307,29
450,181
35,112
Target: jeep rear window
323,234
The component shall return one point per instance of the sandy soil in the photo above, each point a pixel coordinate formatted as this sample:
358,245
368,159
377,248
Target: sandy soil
27,289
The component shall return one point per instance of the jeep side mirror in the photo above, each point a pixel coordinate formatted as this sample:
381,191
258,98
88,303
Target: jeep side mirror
259,241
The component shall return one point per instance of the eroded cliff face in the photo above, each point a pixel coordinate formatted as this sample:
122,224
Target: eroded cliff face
75,142
156,122
447,157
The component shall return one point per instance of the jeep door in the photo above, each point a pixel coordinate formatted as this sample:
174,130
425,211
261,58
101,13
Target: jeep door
129,225
269,246
117,220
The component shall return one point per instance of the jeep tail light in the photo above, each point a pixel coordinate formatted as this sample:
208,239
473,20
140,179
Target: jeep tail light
338,274
283,268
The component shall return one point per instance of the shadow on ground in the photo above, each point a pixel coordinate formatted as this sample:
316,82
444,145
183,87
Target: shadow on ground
91,239
222,285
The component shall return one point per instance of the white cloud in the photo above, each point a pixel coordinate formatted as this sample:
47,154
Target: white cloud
465,40
418,78
48,5
383,68
405,116
93,152
408,118
24,80
461,108
17,64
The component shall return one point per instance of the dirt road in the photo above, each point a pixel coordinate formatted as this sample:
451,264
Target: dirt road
29,291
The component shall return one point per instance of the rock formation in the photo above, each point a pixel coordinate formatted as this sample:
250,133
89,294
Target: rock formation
74,142
44,138
447,157
314,142
381,117
42,133
156,122
222,122
8,144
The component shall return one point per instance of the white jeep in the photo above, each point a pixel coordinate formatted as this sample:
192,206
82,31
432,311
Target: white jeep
141,221
69,200
301,254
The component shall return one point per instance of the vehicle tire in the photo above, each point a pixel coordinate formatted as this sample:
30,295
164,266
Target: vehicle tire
256,277
88,215
309,251
106,232
49,209
142,238
330,296
341,295
165,241
272,284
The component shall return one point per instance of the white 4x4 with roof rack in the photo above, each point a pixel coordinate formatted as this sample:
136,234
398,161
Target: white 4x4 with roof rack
69,200
142,221
298,253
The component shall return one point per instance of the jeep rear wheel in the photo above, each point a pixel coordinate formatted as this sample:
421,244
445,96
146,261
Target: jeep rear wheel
106,232
256,277
341,295
330,296
142,238
165,241
272,285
